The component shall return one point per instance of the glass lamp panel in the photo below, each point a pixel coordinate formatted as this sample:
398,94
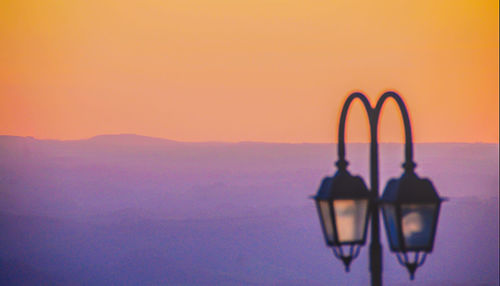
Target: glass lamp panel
417,224
350,219
391,224
326,219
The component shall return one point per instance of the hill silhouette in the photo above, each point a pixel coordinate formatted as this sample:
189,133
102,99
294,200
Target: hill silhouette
129,210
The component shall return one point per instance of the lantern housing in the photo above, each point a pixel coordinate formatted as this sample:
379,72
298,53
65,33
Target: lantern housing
410,206
343,203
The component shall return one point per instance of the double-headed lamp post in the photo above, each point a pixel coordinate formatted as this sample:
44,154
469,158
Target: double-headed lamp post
410,204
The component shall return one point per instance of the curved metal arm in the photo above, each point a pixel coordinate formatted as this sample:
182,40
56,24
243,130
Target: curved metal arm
409,165
373,117
342,163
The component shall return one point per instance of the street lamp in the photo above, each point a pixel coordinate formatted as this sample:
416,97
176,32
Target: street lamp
342,202
410,205
411,208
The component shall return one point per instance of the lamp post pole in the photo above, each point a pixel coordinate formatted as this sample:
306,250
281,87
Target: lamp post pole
373,118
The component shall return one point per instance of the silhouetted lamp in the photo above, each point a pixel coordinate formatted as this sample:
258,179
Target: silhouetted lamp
343,202
410,206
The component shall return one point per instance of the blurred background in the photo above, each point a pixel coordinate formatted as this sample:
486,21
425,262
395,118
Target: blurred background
131,210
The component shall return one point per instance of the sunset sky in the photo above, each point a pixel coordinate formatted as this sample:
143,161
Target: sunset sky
273,71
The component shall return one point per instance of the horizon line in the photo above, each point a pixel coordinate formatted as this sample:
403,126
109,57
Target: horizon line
248,141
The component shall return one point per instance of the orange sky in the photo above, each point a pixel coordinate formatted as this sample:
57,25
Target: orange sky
247,70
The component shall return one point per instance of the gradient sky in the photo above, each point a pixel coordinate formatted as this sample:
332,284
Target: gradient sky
247,70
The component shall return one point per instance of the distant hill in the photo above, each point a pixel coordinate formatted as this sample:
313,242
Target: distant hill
134,210
129,139
126,170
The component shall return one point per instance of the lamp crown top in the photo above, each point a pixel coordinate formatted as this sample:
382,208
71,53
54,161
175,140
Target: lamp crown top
410,188
342,185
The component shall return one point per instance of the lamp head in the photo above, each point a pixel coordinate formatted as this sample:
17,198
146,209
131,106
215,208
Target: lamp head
343,203
410,207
